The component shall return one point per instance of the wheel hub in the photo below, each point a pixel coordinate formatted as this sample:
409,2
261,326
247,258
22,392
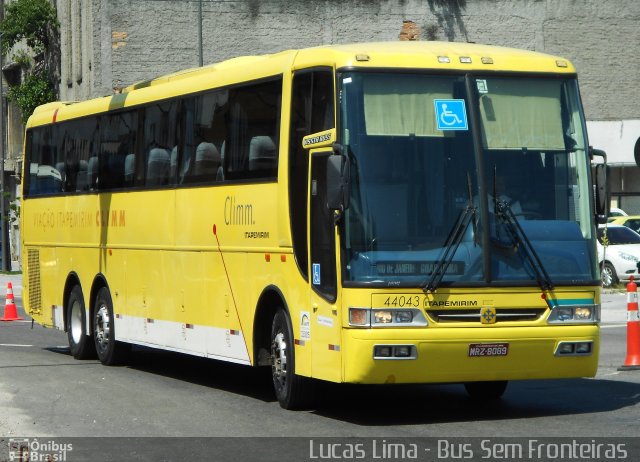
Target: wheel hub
75,322
102,326
279,358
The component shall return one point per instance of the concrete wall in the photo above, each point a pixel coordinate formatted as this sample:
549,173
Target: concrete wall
135,40
124,41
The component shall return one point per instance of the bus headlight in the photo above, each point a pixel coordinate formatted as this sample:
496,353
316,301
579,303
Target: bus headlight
582,313
367,317
571,314
382,317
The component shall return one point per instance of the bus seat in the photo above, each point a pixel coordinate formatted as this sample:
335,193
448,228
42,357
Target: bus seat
82,178
220,173
46,180
60,169
129,168
262,153
158,167
207,159
173,164
92,172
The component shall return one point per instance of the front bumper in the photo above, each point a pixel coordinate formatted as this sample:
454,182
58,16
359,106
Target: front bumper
443,354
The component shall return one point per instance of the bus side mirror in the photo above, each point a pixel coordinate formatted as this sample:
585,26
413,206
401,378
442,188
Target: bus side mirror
602,196
338,182
600,184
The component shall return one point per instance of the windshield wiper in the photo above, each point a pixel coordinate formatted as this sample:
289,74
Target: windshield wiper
450,247
452,243
522,242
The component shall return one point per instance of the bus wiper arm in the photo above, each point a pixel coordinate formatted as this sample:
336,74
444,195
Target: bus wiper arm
450,247
521,241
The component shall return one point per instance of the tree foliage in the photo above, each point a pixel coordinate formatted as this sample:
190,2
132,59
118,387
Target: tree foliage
29,20
31,93
34,23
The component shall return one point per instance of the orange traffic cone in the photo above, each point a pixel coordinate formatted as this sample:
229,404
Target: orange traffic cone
10,309
632,361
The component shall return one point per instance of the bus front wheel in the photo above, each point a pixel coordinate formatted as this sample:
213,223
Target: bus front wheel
80,344
292,391
109,351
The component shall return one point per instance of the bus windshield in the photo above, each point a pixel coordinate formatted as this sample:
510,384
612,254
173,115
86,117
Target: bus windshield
503,155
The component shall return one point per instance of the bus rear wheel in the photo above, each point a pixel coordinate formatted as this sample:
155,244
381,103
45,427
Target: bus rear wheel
292,391
109,351
80,344
486,391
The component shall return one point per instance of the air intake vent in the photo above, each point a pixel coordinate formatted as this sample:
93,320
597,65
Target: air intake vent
502,315
35,295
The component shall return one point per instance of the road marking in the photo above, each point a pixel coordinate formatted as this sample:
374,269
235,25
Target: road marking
14,345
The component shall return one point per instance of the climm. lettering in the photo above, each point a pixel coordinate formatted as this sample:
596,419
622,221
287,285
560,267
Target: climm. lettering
113,218
236,213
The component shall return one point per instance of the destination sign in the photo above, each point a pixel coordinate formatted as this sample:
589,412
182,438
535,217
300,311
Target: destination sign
404,268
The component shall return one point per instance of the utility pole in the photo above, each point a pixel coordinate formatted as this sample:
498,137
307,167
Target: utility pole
200,59
4,250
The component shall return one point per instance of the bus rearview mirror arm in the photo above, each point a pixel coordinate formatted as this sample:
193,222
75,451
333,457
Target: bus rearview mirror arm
600,184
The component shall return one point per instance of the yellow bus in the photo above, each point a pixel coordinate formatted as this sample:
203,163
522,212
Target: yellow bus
410,212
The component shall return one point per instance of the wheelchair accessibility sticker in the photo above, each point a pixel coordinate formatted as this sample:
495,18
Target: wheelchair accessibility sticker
315,268
451,114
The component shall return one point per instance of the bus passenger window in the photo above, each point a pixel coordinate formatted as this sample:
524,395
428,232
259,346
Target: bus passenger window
252,127
117,140
45,169
205,133
160,126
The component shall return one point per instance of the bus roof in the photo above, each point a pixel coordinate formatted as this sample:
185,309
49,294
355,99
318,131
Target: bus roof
441,56
433,55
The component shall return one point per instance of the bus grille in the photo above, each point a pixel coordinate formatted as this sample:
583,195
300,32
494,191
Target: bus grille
35,296
502,315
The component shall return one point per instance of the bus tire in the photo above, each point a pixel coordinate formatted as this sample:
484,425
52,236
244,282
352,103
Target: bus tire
486,391
293,391
109,351
80,344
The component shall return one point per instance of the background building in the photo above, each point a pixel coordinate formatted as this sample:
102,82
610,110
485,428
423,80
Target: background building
109,44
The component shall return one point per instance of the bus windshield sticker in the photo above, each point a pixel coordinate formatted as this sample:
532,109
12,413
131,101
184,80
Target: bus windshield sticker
451,114
316,274
482,86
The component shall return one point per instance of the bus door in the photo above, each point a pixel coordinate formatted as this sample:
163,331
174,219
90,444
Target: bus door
324,303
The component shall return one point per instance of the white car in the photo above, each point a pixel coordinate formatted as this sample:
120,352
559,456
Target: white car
615,212
618,254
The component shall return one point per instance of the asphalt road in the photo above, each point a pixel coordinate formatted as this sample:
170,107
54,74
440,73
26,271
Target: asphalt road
44,393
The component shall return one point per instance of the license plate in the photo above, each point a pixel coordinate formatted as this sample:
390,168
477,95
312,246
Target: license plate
488,349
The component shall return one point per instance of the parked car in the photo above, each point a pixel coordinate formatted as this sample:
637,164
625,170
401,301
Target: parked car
630,221
618,253
615,212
